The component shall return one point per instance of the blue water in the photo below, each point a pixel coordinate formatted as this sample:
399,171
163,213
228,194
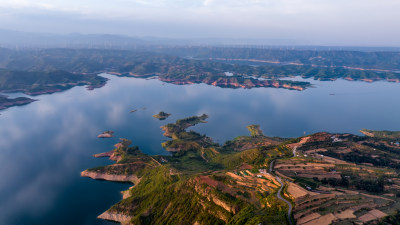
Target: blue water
45,145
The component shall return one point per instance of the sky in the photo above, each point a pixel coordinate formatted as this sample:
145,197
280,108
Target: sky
314,22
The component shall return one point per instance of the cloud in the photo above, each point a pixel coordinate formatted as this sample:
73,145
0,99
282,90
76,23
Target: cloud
207,2
310,21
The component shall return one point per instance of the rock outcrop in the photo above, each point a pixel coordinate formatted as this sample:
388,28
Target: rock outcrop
106,134
110,177
116,217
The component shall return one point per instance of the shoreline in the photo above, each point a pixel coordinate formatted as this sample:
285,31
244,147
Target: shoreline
109,177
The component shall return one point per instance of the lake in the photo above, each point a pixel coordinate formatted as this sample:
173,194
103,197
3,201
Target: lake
45,145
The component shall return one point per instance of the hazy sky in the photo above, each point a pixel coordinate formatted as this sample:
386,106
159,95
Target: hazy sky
329,22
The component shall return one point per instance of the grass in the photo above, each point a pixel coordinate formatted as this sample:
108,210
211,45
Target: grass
306,182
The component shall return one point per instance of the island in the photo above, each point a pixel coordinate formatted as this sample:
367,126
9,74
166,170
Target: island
6,102
162,115
321,178
106,134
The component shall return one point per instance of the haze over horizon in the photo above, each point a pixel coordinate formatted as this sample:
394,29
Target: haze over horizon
310,22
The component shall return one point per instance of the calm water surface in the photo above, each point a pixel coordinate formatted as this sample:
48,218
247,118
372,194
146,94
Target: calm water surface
45,145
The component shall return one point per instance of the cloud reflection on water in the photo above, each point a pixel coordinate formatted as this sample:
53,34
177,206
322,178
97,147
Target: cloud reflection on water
44,145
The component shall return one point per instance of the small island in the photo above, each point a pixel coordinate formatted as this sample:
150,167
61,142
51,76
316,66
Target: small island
106,134
321,178
162,115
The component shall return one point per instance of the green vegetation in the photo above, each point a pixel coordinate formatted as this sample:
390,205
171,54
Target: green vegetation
319,58
306,182
173,130
162,115
193,183
35,83
179,70
384,134
183,141
168,68
255,130
205,183
52,70
390,220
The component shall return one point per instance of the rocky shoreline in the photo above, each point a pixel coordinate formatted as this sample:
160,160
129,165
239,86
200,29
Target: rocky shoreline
110,177
233,82
116,217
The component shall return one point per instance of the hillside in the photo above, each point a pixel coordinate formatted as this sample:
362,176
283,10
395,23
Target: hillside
35,83
210,70
6,102
327,178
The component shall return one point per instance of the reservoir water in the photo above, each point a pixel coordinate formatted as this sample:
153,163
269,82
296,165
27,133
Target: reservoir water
45,145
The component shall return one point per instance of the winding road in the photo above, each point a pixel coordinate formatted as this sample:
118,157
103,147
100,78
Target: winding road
271,166
287,202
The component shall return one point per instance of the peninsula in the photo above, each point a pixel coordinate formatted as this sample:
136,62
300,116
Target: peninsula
321,178
385,134
37,83
6,102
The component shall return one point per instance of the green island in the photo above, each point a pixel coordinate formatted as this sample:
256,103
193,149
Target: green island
321,178
162,115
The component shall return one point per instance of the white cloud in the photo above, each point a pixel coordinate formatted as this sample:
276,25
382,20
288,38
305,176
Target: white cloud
319,21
